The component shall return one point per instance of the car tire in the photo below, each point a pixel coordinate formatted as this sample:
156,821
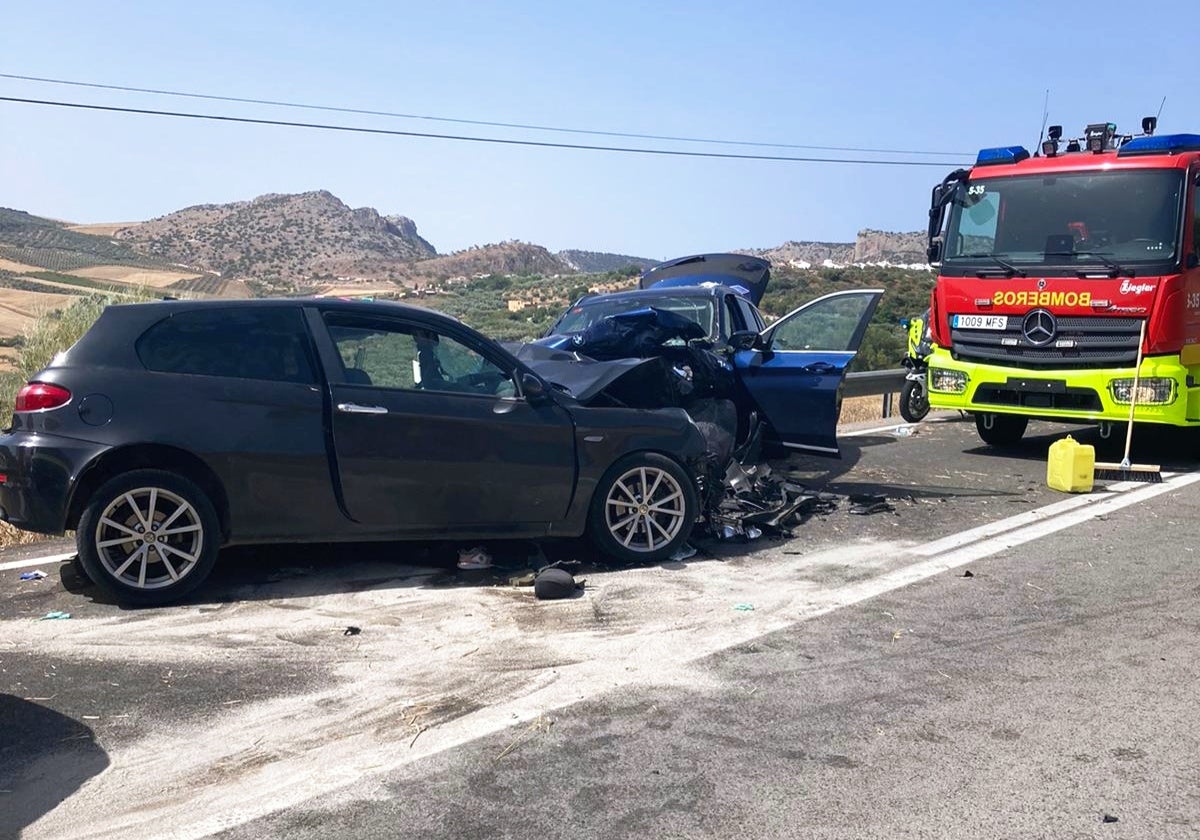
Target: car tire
914,401
1002,430
643,509
148,537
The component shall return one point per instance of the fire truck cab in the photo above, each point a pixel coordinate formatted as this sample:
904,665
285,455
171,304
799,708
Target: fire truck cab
1052,268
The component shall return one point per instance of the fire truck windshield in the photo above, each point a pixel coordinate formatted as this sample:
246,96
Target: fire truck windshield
1114,218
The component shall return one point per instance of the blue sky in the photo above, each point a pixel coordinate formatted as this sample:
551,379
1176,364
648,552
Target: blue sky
933,76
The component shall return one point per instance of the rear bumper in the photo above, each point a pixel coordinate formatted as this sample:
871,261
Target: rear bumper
40,473
1067,394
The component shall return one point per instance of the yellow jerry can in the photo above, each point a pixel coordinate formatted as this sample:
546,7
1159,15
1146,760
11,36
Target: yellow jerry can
1071,467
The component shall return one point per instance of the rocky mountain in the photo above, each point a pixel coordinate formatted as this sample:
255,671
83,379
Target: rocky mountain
595,262
283,239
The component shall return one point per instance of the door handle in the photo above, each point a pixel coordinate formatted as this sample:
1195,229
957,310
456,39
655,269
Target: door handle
352,408
820,367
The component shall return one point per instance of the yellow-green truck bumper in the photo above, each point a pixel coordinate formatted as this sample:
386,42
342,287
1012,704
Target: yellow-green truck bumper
1168,392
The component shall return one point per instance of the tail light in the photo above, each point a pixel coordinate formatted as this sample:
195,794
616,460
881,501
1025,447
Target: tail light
40,396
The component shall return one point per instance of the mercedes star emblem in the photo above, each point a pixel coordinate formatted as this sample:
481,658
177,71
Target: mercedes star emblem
1039,327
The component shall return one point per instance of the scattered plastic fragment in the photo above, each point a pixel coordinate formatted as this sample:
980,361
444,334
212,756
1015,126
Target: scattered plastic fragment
753,533
867,504
968,573
744,607
351,631
904,431
684,552
1109,818
526,579
474,558
38,575
55,615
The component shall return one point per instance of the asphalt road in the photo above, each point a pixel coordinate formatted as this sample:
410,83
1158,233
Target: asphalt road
872,691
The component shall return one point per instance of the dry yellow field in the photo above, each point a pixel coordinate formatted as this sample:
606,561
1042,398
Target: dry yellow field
8,358
102,228
19,309
19,268
862,409
358,291
152,277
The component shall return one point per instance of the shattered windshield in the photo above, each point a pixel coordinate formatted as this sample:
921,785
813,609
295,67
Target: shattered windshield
1106,218
587,312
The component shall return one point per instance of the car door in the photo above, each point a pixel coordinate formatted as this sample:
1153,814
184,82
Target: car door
431,432
794,373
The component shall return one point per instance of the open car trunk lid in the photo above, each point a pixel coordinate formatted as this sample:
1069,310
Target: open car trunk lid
746,275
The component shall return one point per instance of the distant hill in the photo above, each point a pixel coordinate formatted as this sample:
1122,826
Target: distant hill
598,262
511,257
870,246
283,240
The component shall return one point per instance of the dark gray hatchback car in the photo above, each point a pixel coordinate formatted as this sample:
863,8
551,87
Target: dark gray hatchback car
173,428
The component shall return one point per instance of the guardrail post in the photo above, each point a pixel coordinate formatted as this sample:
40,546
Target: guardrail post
887,405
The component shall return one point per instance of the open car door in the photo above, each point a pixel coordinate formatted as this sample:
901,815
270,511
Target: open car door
795,371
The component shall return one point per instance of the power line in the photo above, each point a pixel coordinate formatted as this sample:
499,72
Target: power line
465,138
460,121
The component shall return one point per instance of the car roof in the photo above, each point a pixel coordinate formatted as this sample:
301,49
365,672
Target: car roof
367,307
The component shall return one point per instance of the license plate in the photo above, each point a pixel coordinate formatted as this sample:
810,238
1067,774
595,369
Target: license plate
980,322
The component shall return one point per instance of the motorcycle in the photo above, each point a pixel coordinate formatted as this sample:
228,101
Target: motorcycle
914,396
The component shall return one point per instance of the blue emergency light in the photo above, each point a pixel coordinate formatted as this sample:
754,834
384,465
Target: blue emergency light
1002,154
1163,144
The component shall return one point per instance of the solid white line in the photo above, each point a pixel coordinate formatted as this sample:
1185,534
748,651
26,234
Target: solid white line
35,561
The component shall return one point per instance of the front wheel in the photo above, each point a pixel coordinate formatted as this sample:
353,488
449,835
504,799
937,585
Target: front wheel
1000,429
148,537
643,509
914,401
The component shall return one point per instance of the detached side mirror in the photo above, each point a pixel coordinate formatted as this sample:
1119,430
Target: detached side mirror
533,389
743,340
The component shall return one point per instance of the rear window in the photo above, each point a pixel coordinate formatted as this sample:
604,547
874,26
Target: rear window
240,343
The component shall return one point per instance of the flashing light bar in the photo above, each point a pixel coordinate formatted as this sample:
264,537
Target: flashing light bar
1167,144
1002,154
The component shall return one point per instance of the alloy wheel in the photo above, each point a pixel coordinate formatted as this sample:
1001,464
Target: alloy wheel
149,538
645,509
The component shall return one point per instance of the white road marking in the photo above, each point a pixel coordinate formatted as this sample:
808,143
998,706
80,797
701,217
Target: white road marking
35,561
286,751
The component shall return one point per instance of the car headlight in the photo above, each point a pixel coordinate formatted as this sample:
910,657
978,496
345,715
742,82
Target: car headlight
947,381
1150,391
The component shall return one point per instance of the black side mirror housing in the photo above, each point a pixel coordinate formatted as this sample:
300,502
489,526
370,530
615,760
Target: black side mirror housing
934,252
744,340
534,389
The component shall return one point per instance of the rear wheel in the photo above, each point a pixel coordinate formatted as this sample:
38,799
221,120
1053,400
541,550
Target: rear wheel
148,537
1000,429
643,509
914,401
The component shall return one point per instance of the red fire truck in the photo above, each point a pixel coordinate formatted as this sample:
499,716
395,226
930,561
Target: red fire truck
1054,267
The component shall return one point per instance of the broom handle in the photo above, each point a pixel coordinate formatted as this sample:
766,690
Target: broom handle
1137,375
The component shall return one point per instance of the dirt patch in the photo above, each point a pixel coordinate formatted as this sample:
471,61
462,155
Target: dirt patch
103,228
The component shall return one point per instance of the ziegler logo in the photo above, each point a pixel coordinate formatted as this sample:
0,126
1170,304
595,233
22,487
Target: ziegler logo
1042,299
1128,288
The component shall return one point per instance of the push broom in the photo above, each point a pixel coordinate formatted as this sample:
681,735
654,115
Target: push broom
1125,471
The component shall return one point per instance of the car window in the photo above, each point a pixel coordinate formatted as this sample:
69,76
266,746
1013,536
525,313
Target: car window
826,325
241,343
734,320
408,357
753,320
587,312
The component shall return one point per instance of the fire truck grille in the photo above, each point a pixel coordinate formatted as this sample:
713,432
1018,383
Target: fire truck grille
1078,343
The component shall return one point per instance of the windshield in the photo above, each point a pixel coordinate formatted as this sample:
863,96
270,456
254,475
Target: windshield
1106,218
581,316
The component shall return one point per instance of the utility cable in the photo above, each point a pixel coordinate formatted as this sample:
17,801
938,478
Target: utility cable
489,123
464,138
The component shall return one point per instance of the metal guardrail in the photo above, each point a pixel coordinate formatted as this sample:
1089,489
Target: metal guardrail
870,383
